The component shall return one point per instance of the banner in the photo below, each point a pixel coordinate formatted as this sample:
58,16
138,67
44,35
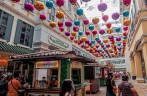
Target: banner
47,64
3,60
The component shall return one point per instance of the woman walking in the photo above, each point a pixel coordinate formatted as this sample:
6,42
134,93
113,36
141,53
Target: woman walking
67,88
110,84
126,88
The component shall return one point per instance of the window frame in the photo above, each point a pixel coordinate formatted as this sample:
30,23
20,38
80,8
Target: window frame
25,34
8,25
69,6
19,32
1,24
30,1
52,14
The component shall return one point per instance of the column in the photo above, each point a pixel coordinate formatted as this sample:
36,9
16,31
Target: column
65,70
138,67
133,68
144,51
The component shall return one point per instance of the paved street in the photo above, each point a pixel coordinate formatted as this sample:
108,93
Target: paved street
140,87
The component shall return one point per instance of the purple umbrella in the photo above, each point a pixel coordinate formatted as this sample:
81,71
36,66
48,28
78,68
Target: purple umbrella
68,23
102,31
86,0
87,41
108,45
67,33
118,39
102,7
115,16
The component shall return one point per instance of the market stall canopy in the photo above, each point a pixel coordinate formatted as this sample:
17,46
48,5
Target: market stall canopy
53,55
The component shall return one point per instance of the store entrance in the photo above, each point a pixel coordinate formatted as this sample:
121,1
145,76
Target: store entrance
76,75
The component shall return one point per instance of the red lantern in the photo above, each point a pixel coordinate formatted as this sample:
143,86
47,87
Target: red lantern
42,16
15,1
60,24
73,1
108,25
102,46
125,33
124,44
61,29
126,2
94,32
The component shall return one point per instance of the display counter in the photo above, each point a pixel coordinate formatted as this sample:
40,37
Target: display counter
42,92
79,91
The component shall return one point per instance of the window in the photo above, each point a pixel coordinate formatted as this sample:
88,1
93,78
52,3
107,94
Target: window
135,7
69,6
78,37
30,1
83,28
24,33
5,27
75,17
52,15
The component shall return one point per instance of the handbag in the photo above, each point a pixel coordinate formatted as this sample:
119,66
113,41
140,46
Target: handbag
115,90
19,91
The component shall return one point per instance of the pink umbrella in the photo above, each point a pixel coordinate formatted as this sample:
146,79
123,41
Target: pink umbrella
102,31
105,18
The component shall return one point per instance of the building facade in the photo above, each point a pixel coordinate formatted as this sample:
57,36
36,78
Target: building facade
137,46
23,32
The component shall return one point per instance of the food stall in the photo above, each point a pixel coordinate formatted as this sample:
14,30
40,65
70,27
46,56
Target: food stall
104,70
92,72
51,68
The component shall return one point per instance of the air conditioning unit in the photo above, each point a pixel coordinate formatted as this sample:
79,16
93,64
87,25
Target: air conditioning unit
145,2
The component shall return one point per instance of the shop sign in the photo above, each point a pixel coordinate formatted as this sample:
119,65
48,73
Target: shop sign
81,53
4,60
76,64
47,64
58,42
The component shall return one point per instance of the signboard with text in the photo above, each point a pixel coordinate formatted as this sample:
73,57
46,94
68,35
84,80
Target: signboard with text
58,42
3,60
46,64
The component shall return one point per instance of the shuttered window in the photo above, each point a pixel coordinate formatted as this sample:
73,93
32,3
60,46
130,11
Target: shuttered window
52,15
69,6
30,1
6,21
24,34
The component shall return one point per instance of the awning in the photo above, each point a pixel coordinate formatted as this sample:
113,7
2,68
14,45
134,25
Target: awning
52,55
14,49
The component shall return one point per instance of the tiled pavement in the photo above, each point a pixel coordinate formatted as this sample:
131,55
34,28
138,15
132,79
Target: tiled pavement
140,87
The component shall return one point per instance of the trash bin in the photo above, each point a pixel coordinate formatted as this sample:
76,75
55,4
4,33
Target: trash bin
102,82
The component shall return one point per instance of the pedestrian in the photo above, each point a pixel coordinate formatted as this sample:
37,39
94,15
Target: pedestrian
67,88
14,85
126,88
3,85
110,84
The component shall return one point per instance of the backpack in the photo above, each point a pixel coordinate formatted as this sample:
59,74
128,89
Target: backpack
3,87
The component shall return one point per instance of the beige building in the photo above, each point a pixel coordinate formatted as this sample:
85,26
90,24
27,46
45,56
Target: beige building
137,42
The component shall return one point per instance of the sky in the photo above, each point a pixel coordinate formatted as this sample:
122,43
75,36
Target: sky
96,13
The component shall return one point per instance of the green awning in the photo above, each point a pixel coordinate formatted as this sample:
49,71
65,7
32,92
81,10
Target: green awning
14,49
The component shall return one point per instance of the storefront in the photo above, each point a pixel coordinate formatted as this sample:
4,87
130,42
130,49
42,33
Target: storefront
51,68
3,62
92,73
6,66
